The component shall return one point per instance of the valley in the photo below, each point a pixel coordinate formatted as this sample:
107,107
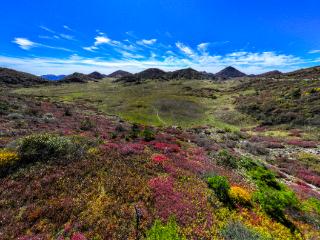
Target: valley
196,158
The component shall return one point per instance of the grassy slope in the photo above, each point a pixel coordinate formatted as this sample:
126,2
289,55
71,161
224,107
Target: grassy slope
117,181
152,103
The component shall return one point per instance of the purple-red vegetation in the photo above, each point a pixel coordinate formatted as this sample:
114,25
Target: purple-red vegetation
303,144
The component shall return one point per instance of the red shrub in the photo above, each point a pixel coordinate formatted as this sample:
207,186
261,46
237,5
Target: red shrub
78,236
168,201
166,147
159,158
301,143
131,148
125,148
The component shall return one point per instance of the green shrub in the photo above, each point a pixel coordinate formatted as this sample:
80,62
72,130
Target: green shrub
135,131
148,134
311,205
220,186
264,177
43,147
226,159
274,202
4,107
237,231
160,231
247,163
87,124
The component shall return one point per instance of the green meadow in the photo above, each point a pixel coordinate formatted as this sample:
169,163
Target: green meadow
158,103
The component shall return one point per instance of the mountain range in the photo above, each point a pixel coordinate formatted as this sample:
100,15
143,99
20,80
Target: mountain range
13,77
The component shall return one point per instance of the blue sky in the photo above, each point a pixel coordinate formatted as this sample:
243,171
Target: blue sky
65,36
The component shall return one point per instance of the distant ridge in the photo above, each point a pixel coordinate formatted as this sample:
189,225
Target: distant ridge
230,72
151,73
189,73
274,73
96,75
309,73
158,74
13,77
77,78
53,77
119,74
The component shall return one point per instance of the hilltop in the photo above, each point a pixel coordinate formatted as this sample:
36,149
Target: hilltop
12,77
230,72
119,74
77,78
96,75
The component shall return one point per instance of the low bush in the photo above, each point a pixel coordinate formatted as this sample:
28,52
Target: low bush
87,124
220,186
7,160
226,159
239,196
264,178
238,231
275,202
160,231
135,131
148,134
311,205
43,147
4,107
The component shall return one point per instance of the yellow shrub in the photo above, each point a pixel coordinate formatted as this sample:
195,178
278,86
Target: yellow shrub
8,158
93,151
239,195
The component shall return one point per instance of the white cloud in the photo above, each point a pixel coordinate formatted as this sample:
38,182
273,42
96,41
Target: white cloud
57,35
314,51
67,28
47,29
131,55
185,49
24,43
249,63
202,47
147,42
90,49
66,36
101,40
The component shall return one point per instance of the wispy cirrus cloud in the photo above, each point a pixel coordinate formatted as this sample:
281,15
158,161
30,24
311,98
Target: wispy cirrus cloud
56,35
27,44
24,43
203,47
314,51
133,55
68,28
185,49
147,42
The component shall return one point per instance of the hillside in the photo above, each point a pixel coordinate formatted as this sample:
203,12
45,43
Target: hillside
12,77
188,73
151,73
96,75
275,73
77,78
119,74
107,160
306,73
229,72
